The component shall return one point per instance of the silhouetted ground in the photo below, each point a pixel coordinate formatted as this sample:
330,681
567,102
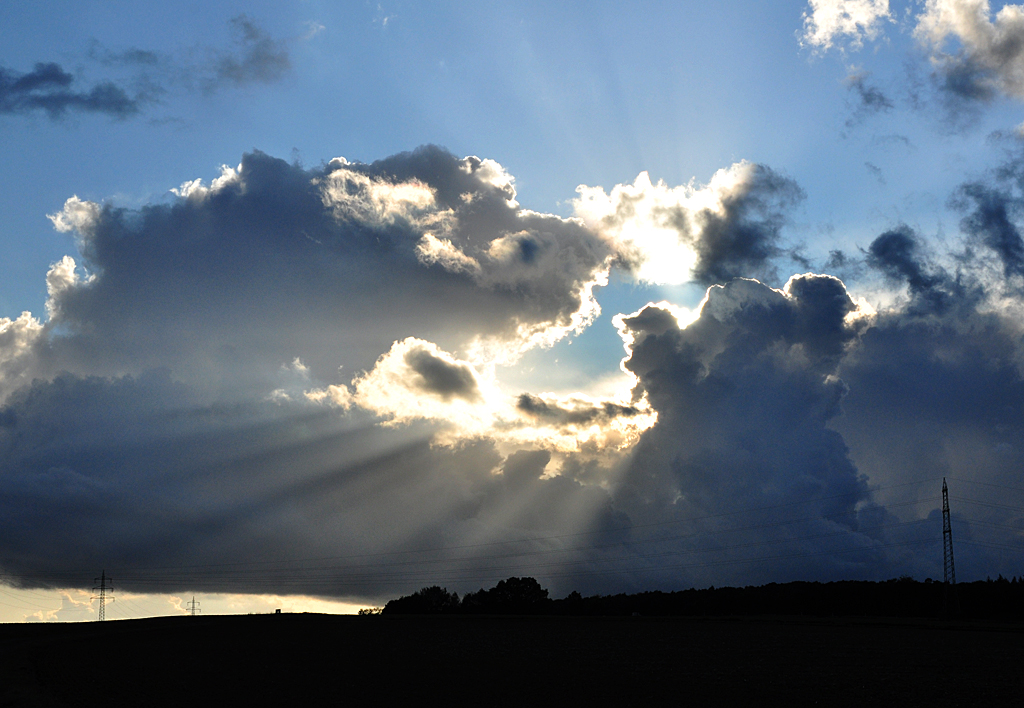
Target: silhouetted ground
307,659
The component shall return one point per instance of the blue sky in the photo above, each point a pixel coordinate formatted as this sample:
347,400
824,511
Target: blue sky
475,297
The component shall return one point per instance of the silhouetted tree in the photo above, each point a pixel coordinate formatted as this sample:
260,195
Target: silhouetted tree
515,596
432,600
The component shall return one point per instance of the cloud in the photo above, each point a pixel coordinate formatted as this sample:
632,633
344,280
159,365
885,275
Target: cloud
936,392
415,379
869,99
17,338
899,254
259,58
143,76
830,21
129,57
576,412
183,407
134,475
50,89
876,172
728,228
745,396
988,57
975,57
993,207
210,284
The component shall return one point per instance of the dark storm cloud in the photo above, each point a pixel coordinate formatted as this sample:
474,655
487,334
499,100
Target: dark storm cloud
131,474
775,402
745,396
181,439
935,383
50,89
744,239
939,392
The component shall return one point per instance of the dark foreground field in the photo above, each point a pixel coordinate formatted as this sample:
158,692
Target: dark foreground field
305,660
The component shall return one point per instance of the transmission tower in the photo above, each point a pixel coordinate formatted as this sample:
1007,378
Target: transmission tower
949,600
103,587
193,607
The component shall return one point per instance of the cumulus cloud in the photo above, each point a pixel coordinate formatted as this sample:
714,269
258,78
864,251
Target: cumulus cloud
745,395
17,339
182,406
225,268
830,21
207,331
728,228
937,392
575,412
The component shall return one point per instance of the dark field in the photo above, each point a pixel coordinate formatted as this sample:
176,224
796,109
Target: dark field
304,660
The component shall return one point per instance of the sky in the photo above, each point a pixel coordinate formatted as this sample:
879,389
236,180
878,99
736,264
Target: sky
309,305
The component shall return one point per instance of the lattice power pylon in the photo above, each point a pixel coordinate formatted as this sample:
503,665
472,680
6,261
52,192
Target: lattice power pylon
951,604
193,607
103,587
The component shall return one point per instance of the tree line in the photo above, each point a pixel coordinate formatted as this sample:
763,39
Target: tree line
1001,598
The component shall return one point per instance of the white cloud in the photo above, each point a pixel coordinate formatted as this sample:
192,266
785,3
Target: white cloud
708,233
195,189
61,278
374,200
75,606
829,21
417,380
492,173
333,394
77,215
431,250
17,338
